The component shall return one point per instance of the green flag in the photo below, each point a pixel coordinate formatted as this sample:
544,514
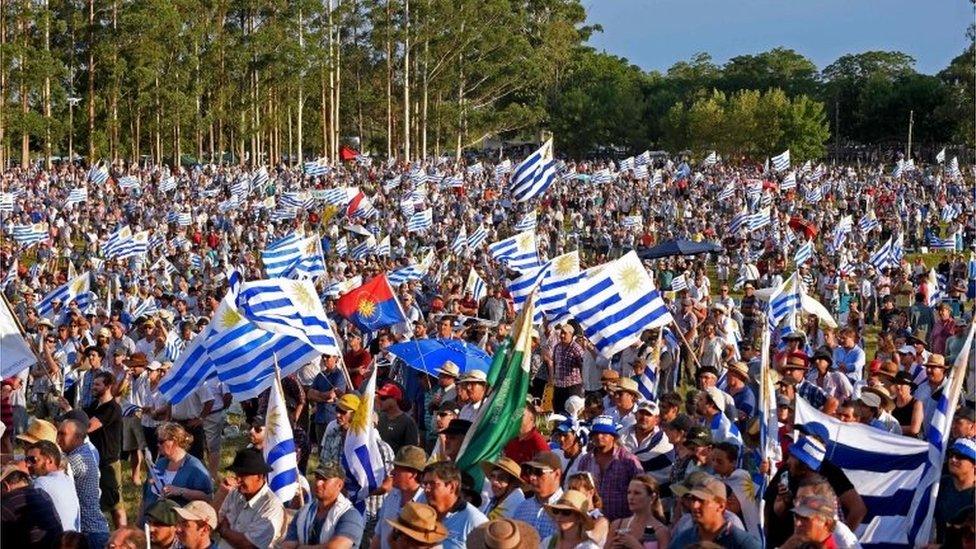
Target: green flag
498,362
499,418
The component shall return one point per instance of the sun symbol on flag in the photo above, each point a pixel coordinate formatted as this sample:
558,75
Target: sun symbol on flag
78,286
629,278
310,248
366,307
524,241
301,295
566,264
273,420
230,318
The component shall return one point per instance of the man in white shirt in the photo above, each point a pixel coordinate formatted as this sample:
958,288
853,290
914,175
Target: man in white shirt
44,462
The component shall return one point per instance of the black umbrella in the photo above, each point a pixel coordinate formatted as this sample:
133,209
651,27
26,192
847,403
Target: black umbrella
678,247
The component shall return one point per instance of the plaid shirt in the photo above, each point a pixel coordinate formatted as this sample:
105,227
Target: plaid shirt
84,467
568,361
611,483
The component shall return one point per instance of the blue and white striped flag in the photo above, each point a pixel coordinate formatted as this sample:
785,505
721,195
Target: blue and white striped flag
478,237
896,476
77,289
167,184
475,285
11,275
727,192
679,283
76,196
534,174
279,256
882,258
938,287
804,253
336,289
723,430
288,307
184,219
781,162
98,174
784,302
28,235
196,262
342,247
944,244
521,289
814,195
518,252
172,347
6,202
279,446
953,169
843,228
147,308
260,178
503,168
117,243
527,223
475,169
760,219
129,182
868,223
601,177
950,212
940,157
421,221
710,160
406,274
364,248
383,249
632,222
789,182
189,371
316,168
741,220
562,273
616,304
643,159
361,457
657,179
460,242
627,164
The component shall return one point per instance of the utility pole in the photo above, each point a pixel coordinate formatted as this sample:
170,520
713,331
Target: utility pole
911,122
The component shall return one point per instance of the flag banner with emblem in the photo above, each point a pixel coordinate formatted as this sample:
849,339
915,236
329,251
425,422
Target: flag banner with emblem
288,307
361,457
518,252
371,306
77,289
279,446
497,421
15,354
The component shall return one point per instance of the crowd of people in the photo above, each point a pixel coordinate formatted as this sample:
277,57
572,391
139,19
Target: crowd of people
95,456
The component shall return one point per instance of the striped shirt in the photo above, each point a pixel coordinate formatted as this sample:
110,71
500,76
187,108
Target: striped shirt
84,466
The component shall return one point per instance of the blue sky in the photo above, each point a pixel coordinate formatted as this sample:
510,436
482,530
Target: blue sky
654,34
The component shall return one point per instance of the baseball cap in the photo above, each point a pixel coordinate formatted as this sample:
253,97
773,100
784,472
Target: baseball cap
605,425
163,512
648,406
964,447
809,506
709,489
329,469
198,510
809,451
391,391
698,436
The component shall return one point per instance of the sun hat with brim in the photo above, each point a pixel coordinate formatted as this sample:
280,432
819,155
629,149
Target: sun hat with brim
936,360
504,464
609,375
814,505
249,461
45,322
411,457
964,447
869,399
797,360
474,376
137,360
809,451
198,510
628,385
449,369
419,522
545,461
904,378
577,502
740,369
163,512
503,534
603,425
886,401
11,468
39,429
348,402
710,489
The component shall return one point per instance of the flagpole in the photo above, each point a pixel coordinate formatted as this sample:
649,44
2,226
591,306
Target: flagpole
342,359
685,341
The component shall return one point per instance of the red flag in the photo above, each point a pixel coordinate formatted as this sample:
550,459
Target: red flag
371,306
347,153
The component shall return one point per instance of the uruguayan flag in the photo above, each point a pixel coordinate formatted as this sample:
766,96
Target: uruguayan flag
940,157
521,289
364,248
503,168
361,457
641,172
76,196
562,273
474,169
616,304
342,246
172,347
781,162
260,178
167,184
279,256
945,244
129,182
279,446
657,180
340,287
814,195
760,219
117,242
950,212
288,307
844,227
723,430
534,175
518,252
803,253
679,283
310,262
727,192
77,289
601,177
937,432
137,246
147,308
98,175
938,286
883,257
28,235
475,285
189,371
421,221
315,168
6,202
740,220
384,248
478,237
406,274
627,163
527,223
784,302
953,169
632,222
196,262
184,219
789,182
11,275
868,223
896,476
460,242
710,160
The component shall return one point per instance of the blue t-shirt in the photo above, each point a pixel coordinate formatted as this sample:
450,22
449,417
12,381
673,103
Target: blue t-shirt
326,381
460,523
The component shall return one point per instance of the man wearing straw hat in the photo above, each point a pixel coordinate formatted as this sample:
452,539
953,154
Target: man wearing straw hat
416,526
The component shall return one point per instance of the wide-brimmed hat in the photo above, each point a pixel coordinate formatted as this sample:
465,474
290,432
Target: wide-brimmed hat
419,522
137,360
887,402
449,369
506,464
797,360
628,385
411,457
456,427
609,375
887,369
936,360
740,369
904,378
503,534
545,461
575,501
249,461
39,429
474,376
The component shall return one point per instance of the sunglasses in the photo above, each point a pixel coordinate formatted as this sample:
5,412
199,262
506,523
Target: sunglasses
563,512
31,459
444,414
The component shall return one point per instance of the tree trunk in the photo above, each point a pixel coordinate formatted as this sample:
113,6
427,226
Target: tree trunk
91,82
3,88
24,92
389,79
47,88
325,119
301,92
113,144
406,80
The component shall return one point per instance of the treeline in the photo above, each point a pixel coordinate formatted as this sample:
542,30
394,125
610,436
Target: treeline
257,79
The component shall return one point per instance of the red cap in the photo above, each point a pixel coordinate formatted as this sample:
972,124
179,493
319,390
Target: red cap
390,390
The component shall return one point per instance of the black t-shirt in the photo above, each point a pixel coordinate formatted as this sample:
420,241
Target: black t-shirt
398,432
108,438
778,531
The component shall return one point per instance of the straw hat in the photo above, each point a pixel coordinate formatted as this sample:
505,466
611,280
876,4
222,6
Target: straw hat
577,502
503,534
936,360
39,429
506,464
419,522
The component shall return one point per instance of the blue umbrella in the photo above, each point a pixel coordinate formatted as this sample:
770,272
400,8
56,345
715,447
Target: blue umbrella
427,355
